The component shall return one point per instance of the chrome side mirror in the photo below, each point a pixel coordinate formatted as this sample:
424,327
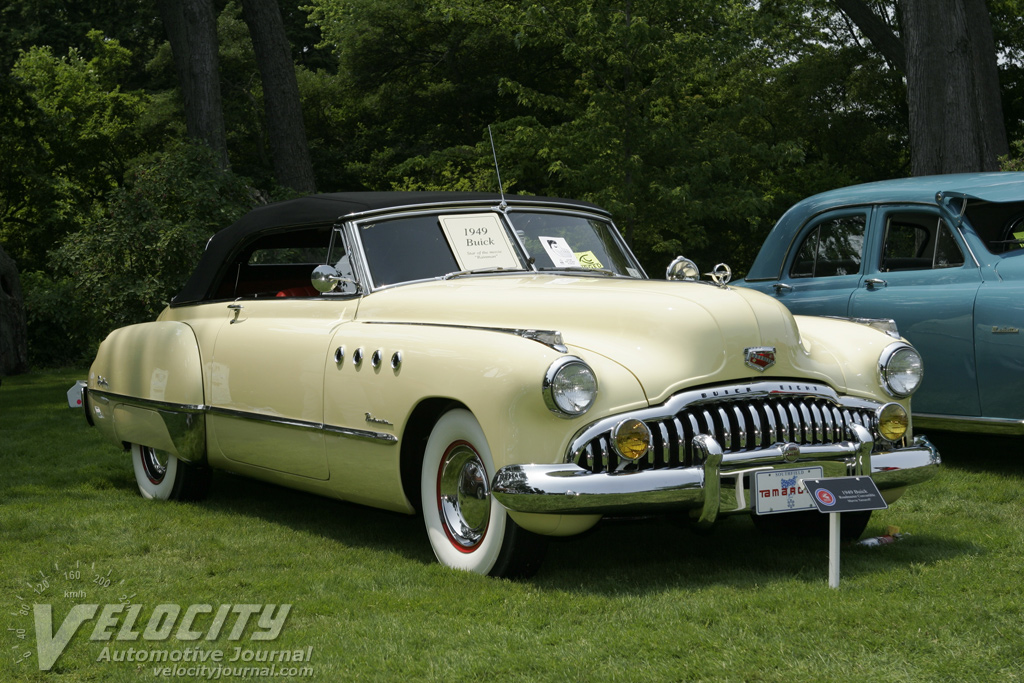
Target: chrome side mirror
326,279
682,268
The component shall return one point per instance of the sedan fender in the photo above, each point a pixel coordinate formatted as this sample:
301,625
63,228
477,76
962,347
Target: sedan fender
146,387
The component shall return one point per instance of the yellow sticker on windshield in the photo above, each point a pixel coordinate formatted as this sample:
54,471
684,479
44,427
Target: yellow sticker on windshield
588,260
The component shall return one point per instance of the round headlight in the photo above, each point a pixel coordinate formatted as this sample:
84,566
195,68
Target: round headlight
570,387
632,439
902,370
892,421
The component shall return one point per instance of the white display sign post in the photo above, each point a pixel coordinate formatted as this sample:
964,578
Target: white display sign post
835,496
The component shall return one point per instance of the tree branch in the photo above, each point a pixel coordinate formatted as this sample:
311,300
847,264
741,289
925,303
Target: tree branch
877,31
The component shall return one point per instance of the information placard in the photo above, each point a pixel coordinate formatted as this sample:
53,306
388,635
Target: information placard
845,494
479,241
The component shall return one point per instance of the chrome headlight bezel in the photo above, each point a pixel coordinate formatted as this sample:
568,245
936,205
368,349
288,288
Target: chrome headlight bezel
893,364
557,380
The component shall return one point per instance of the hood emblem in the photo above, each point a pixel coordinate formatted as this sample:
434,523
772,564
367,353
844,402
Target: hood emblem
759,357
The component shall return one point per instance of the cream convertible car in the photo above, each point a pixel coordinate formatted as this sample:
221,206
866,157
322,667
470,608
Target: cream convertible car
504,366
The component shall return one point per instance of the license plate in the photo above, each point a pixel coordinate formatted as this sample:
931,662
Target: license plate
778,491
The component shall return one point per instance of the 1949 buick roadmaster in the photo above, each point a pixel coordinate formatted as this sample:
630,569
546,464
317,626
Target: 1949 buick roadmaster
504,366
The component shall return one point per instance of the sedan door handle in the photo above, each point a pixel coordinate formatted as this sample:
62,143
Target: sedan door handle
873,282
237,308
781,287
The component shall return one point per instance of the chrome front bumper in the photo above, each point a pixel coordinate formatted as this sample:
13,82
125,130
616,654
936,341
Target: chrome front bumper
717,486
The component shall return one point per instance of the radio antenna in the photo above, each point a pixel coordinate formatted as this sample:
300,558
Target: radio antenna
494,152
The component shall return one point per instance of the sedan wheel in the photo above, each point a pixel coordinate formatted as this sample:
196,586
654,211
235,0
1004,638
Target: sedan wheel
466,527
161,476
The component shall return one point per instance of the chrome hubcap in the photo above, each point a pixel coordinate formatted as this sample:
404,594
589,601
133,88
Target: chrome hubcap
463,496
155,470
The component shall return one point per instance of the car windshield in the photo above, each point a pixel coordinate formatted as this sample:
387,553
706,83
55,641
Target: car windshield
425,246
557,241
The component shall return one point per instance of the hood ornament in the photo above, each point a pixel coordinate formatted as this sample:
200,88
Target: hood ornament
720,274
759,357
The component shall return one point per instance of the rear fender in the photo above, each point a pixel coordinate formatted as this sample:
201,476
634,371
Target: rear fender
146,387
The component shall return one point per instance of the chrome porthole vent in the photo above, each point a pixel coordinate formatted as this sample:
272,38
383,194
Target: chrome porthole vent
376,358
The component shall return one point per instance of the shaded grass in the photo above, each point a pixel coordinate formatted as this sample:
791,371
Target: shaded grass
628,601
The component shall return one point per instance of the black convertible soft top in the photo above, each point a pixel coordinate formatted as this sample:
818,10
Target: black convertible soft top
327,209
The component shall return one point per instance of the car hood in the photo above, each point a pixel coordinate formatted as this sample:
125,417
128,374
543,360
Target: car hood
670,335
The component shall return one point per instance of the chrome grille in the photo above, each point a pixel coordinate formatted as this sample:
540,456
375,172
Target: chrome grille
739,425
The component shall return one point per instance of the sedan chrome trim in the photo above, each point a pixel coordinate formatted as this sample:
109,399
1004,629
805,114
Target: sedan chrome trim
709,488
959,423
185,423
179,418
303,424
549,338
720,394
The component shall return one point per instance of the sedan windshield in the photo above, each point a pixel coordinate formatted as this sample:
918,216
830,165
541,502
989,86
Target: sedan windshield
429,245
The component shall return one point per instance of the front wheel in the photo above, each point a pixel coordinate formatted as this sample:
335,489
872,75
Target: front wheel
162,476
466,527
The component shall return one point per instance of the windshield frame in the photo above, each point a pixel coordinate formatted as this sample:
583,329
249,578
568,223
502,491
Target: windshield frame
352,232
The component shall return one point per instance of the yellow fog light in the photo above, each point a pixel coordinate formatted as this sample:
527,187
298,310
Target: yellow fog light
632,439
892,421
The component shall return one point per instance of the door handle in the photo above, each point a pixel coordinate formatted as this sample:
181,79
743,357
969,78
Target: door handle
781,287
237,308
874,282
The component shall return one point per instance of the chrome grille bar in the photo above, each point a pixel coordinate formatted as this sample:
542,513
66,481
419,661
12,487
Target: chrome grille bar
742,425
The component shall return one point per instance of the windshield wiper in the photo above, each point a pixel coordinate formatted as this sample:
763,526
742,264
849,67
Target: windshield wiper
478,271
581,269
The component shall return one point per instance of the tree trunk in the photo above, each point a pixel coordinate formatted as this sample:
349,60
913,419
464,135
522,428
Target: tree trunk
953,95
285,128
192,31
13,336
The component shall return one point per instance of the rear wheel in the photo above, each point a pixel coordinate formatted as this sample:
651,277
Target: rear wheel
813,524
466,527
162,476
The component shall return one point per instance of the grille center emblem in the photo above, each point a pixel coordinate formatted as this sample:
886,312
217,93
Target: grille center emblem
759,357
790,452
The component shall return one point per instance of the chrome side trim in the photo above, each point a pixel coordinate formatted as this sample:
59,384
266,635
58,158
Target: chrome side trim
549,338
150,403
959,423
302,424
180,419
185,423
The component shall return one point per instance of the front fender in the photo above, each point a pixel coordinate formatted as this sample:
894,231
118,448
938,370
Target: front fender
146,387
498,376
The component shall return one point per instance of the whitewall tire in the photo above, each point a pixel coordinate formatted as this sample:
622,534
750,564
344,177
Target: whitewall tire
467,528
161,476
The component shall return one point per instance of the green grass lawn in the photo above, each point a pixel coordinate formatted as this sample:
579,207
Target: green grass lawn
629,601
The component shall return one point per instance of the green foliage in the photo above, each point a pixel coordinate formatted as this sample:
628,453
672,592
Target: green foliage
127,263
71,134
1014,161
696,122
63,328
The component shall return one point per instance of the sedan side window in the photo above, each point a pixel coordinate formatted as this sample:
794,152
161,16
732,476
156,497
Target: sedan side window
833,247
915,241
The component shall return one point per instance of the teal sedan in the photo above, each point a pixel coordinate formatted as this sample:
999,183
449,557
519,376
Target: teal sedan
941,256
